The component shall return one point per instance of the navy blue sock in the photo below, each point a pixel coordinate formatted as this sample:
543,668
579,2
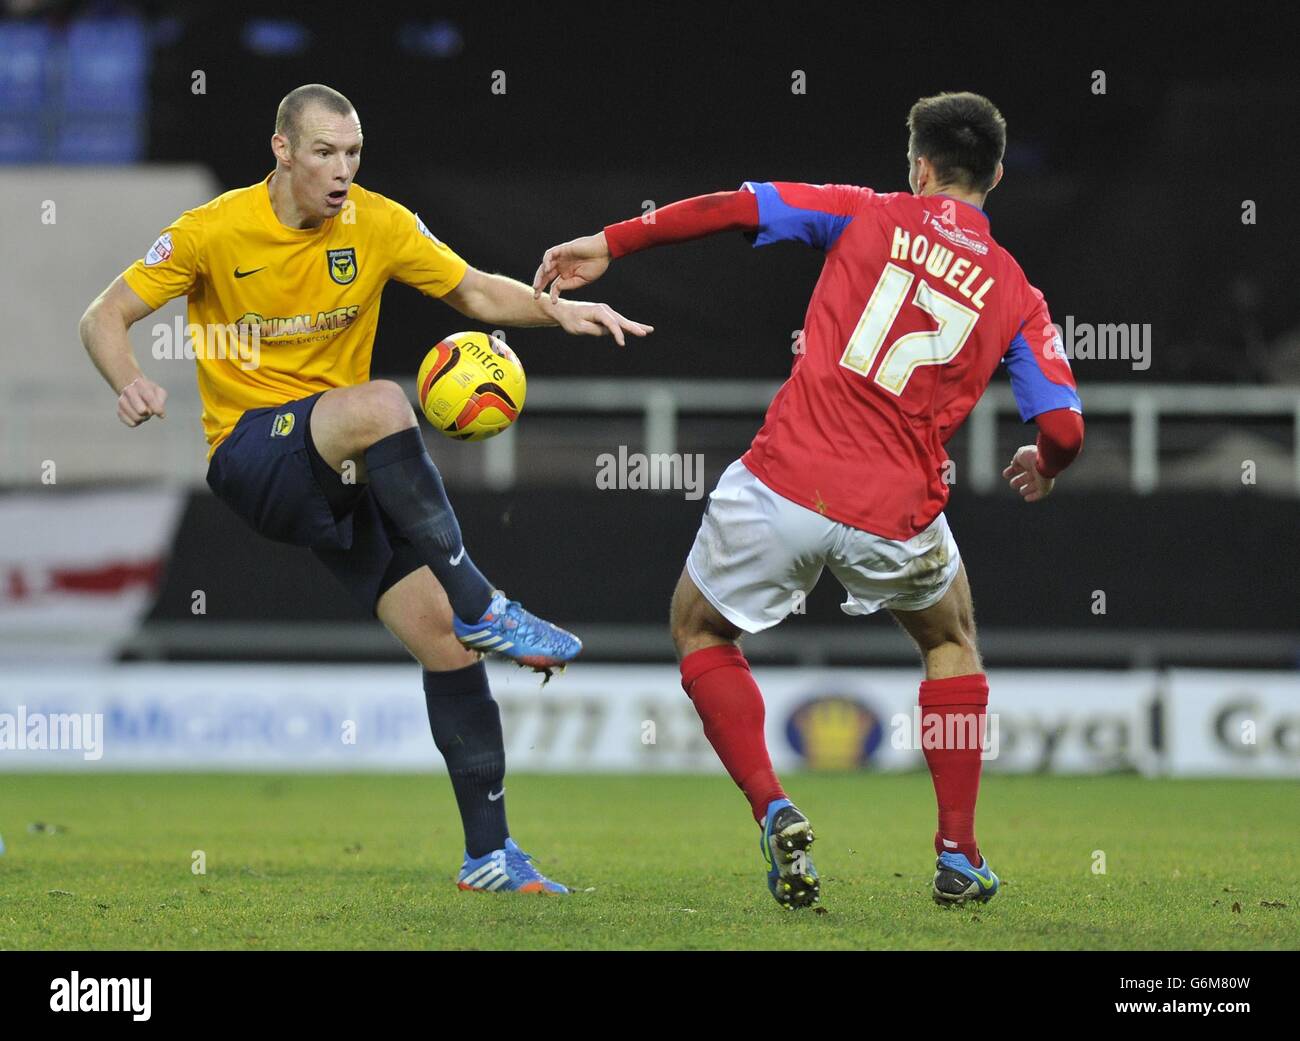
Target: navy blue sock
466,725
409,489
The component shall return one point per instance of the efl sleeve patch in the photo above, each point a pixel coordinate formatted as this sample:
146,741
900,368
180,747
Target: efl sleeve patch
418,258
172,266
160,251
425,231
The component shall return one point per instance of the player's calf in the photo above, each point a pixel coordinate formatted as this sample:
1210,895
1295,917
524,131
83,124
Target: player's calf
373,428
953,696
716,677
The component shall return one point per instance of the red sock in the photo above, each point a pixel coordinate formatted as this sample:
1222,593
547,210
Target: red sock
947,708
719,683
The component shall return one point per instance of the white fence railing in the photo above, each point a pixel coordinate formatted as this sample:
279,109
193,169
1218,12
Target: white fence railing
848,643
662,402
81,434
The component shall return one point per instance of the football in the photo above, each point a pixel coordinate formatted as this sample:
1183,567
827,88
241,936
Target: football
471,386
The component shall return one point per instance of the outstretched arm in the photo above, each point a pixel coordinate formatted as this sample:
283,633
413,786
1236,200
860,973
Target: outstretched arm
581,261
495,298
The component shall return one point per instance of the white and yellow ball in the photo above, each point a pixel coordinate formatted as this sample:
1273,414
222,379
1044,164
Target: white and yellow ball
471,386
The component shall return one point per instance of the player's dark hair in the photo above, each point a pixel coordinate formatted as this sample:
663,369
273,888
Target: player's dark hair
289,114
962,135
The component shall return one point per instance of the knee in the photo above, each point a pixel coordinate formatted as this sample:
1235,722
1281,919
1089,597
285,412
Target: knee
385,408
947,625
682,632
959,635
361,415
683,623
694,626
962,629
951,650
678,625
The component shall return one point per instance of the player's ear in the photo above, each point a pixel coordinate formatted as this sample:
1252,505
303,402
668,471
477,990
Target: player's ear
280,148
996,177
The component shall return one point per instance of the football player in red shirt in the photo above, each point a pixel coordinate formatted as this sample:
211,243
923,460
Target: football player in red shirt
915,309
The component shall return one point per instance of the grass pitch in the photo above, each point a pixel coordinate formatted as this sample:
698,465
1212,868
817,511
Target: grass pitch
368,861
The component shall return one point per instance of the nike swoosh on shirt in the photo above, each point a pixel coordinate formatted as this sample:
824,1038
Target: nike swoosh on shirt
458,557
245,274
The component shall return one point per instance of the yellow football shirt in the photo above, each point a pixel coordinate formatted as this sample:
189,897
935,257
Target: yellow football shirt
277,313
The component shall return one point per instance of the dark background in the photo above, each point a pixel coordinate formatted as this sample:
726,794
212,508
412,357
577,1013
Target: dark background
1124,207
613,557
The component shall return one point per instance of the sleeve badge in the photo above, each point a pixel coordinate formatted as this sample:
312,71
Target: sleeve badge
425,231
159,251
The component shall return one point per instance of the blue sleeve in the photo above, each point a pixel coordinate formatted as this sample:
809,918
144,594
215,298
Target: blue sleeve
798,216
1034,390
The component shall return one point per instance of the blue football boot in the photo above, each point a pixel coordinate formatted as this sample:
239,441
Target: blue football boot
787,837
956,881
506,870
507,629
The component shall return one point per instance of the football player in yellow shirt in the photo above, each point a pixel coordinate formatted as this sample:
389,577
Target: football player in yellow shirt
283,282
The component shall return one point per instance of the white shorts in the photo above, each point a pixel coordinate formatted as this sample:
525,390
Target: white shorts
758,555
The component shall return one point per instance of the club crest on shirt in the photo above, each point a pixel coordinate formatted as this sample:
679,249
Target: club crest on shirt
282,426
342,265
161,250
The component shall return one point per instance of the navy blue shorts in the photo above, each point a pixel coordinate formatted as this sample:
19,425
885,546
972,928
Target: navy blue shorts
268,471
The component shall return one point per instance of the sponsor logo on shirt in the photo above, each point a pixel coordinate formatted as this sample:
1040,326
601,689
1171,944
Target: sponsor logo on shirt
159,251
956,236
299,326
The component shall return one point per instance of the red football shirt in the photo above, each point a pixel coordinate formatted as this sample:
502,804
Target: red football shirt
915,309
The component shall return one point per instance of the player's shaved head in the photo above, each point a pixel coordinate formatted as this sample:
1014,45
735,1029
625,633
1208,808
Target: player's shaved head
317,149
288,117
962,136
